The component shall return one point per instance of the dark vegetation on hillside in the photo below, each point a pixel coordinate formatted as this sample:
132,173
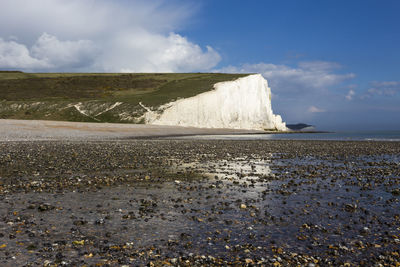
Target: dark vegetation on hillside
79,87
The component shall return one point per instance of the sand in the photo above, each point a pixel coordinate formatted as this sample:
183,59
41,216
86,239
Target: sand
36,130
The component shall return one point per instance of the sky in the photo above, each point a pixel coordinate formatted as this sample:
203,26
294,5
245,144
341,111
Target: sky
332,64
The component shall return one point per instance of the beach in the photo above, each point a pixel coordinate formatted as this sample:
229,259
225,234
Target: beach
39,130
199,202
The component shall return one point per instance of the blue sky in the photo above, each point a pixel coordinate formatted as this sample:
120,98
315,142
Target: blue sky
334,64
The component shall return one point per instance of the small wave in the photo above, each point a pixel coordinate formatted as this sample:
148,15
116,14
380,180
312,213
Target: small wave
383,139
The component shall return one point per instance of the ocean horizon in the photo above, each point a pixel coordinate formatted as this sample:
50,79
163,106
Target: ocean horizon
334,135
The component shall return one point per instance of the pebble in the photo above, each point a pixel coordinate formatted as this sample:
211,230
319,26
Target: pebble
307,203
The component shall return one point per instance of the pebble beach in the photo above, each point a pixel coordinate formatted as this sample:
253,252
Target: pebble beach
199,202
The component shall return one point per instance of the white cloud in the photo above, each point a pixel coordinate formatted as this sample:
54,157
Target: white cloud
48,53
314,109
89,19
385,88
350,94
307,77
142,51
72,35
63,53
14,55
319,66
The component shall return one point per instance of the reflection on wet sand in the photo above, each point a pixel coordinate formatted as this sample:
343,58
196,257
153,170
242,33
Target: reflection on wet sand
199,202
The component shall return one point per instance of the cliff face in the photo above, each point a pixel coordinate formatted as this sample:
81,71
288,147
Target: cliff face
244,103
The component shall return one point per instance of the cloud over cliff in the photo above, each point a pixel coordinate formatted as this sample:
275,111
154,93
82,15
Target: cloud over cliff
135,36
306,77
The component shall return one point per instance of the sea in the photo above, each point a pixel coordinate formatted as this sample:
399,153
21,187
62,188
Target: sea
339,136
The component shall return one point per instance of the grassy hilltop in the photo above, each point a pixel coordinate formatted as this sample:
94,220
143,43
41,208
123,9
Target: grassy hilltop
96,97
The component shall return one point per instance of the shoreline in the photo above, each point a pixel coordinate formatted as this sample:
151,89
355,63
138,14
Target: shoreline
61,130
31,130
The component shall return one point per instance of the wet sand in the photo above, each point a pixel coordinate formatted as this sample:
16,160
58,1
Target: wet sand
186,202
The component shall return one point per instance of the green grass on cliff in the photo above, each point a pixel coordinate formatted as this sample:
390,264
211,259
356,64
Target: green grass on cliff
52,95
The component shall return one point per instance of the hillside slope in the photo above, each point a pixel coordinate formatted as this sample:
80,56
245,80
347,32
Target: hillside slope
96,97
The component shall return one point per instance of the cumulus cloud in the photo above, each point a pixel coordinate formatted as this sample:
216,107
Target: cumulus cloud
14,55
89,19
314,109
48,53
72,35
63,53
306,77
145,52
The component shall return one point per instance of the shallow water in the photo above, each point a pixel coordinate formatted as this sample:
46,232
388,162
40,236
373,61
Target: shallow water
335,201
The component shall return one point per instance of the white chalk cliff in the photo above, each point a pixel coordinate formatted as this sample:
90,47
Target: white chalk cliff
244,103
